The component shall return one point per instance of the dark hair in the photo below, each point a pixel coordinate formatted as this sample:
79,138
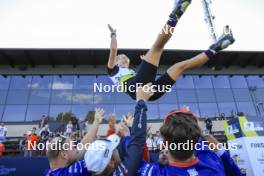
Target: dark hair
181,128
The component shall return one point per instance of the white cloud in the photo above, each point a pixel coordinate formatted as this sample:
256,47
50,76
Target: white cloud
60,85
80,97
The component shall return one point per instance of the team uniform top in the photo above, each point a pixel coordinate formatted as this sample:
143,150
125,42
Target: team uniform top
117,73
207,163
76,169
131,157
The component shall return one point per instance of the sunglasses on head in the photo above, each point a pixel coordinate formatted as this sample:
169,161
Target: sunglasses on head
177,112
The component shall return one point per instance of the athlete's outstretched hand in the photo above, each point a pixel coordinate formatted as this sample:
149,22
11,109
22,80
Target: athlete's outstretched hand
145,92
112,30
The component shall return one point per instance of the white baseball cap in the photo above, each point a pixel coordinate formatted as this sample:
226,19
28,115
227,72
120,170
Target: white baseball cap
100,152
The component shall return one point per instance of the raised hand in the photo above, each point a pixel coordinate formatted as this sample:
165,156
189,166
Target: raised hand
123,130
112,30
128,120
145,92
112,120
99,115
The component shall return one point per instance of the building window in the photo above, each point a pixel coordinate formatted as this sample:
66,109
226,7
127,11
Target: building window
14,113
238,82
4,82
16,97
206,95
105,80
153,112
256,81
221,82
169,97
35,112
84,82
224,95
260,95
19,82
39,97
1,112
3,95
81,111
120,98
104,98
61,97
202,82
208,109
185,82
55,110
229,109
62,82
82,97
242,95
246,107
187,95
44,82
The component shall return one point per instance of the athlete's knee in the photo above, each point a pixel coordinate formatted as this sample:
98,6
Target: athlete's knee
181,66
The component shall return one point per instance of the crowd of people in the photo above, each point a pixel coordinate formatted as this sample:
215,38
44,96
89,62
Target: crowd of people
129,147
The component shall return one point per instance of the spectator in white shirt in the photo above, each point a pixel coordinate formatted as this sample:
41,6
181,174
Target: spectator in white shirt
150,142
158,140
3,132
69,128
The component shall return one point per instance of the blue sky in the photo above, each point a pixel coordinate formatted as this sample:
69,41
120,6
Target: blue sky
82,23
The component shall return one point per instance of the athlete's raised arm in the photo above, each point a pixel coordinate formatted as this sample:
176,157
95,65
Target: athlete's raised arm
113,49
91,133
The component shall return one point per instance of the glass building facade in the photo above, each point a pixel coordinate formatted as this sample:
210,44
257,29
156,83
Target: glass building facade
27,98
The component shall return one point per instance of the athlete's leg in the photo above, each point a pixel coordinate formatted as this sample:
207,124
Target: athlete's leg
223,42
148,68
175,71
154,54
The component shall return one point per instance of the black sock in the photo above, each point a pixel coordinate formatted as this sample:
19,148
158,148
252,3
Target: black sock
210,53
172,22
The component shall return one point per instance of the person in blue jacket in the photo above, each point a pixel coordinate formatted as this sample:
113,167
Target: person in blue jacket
102,158
107,160
63,156
182,128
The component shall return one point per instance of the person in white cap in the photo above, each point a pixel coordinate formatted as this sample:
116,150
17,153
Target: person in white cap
102,157
69,161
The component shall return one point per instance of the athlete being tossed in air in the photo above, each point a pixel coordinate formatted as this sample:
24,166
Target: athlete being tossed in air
121,74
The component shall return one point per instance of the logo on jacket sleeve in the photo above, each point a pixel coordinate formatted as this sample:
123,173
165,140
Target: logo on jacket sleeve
192,172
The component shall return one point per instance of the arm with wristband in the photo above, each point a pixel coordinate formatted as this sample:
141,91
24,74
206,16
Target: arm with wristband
113,49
